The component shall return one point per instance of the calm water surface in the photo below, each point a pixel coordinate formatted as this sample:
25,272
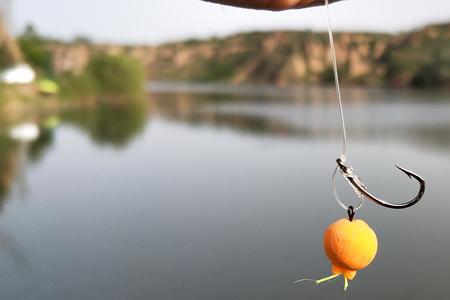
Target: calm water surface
212,192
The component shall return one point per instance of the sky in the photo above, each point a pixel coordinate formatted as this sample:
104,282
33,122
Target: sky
159,21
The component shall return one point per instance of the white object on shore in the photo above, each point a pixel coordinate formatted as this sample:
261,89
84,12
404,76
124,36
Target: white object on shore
25,132
18,74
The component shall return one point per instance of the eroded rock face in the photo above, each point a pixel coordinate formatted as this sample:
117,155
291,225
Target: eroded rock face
284,57
70,58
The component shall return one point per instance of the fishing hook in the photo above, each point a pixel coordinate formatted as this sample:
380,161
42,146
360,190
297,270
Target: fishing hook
362,191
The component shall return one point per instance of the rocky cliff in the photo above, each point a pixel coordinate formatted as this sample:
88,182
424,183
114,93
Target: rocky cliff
420,57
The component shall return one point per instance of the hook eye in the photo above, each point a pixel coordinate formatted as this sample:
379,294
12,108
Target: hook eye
336,196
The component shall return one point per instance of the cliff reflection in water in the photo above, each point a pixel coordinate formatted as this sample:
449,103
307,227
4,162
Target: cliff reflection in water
312,113
196,109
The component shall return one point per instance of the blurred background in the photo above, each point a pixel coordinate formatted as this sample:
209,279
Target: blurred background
183,150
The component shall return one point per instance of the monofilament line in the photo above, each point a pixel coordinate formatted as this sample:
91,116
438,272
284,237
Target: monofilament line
336,80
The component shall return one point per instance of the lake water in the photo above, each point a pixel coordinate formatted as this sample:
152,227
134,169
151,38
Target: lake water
214,192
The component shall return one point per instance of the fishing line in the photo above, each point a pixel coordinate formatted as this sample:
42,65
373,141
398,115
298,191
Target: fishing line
343,156
338,89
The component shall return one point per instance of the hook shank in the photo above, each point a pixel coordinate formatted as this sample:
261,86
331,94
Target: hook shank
359,186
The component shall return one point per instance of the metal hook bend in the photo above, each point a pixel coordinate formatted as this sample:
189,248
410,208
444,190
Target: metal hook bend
348,173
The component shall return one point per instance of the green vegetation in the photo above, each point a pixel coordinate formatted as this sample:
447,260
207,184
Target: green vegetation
429,75
104,74
35,49
421,59
117,74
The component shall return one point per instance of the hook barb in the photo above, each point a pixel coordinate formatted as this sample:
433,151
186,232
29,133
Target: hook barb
354,180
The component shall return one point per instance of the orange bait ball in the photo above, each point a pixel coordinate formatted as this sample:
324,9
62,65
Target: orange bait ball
350,246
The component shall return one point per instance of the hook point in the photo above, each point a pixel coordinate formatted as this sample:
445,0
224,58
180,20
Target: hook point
406,171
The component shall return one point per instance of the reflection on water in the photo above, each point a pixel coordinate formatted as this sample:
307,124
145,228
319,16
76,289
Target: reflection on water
110,123
107,123
311,113
196,109
217,192
41,144
8,163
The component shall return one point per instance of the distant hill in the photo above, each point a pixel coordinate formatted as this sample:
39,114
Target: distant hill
417,58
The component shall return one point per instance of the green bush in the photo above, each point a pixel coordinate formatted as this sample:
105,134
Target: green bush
428,76
327,75
118,74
